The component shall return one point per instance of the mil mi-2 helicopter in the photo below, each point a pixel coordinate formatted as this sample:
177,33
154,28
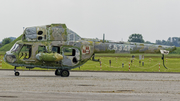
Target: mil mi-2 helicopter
57,47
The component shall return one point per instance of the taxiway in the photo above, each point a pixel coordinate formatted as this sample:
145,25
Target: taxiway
89,86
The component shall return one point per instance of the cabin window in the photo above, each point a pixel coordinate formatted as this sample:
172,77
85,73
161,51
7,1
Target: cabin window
25,52
69,51
42,49
56,49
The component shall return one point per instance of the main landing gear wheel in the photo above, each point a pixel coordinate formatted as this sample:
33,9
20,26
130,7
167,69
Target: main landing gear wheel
16,73
64,73
58,72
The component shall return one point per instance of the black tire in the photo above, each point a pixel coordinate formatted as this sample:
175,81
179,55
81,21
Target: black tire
16,73
58,72
65,73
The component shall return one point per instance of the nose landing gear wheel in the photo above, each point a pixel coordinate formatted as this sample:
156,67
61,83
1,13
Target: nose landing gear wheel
16,73
64,73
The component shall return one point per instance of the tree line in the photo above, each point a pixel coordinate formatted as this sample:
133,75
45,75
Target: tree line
6,41
138,38
172,41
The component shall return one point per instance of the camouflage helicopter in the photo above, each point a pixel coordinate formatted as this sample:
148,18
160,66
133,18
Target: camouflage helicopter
57,47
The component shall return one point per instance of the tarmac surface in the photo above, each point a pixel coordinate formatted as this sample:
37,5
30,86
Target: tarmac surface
89,86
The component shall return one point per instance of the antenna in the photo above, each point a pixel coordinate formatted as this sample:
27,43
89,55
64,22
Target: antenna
103,37
23,28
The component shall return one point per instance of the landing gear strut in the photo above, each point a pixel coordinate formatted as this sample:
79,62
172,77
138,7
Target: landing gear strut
163,61
62,73
16,72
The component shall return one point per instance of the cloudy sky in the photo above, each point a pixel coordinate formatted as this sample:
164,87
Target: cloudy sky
118,19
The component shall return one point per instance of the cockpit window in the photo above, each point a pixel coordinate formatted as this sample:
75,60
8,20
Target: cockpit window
15,48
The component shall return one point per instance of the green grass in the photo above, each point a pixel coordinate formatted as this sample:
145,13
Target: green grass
2,52
151,64
177,51
116,65
136,55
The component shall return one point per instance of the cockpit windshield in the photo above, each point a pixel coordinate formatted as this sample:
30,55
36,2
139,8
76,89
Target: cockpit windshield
15,48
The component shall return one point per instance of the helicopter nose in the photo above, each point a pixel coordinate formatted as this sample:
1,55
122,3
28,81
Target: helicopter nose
8,57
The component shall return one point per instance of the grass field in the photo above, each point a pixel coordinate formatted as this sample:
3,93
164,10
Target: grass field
151,63
2,52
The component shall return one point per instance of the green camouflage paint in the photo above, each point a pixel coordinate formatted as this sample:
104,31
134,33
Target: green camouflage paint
57,47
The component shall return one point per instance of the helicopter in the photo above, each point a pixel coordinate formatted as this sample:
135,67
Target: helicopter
57,47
